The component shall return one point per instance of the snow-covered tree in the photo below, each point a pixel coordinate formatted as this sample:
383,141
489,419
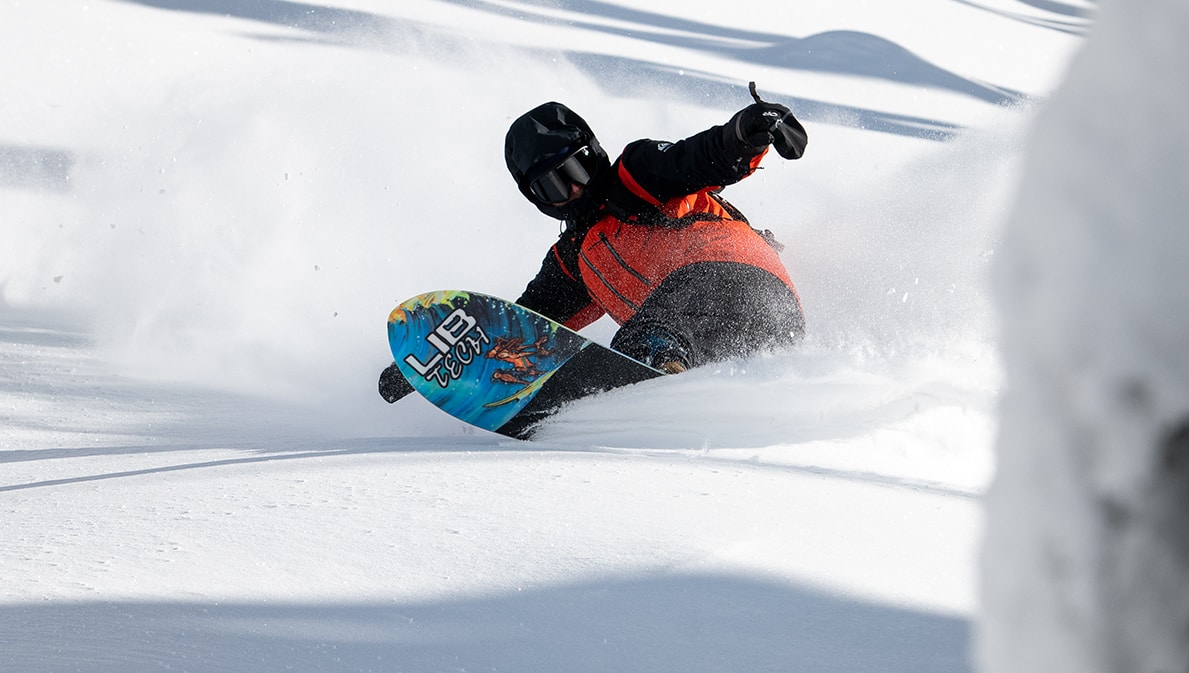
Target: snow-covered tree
1086,560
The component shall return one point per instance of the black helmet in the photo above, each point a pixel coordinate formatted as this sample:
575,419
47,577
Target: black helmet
549,147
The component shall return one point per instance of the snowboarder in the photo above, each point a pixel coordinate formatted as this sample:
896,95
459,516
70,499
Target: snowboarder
649,240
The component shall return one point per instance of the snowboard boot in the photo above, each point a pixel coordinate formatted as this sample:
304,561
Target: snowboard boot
671,366
655,346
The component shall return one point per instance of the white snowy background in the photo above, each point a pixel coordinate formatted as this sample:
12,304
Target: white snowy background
208,208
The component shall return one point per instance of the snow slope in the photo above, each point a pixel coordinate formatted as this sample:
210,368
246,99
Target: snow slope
210,207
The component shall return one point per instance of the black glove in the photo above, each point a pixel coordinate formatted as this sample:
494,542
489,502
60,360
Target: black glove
789,137
761,124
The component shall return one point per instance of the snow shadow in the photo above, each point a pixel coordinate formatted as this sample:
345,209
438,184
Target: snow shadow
300,15
430,445
1076,21
1063,8
848,53
622,76
42,337
678,623
43,168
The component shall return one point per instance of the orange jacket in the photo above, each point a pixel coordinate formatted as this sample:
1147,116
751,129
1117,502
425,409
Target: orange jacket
622,262
660,212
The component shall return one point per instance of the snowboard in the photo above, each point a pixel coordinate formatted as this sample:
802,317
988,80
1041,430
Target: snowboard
497,365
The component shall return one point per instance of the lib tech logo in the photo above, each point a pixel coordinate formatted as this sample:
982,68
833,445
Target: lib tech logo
454,344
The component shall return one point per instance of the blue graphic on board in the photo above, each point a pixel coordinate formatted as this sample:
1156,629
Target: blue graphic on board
478,358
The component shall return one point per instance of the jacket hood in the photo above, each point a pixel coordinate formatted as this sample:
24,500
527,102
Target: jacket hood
543,133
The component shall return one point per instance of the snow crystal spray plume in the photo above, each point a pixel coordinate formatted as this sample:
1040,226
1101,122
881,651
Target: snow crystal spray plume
251,233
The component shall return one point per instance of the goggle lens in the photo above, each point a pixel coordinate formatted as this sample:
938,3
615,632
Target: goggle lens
553,186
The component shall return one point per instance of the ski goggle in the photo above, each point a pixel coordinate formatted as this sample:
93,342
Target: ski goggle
552,185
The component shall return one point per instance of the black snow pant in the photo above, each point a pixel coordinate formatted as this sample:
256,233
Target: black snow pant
714,311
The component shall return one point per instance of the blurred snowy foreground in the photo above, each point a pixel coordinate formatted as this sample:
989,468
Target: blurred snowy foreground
210,207
1086,562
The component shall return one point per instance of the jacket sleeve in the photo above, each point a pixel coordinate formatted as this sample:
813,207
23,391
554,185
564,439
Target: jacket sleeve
557,292
658,171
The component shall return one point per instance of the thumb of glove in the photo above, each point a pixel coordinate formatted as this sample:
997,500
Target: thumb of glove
789,137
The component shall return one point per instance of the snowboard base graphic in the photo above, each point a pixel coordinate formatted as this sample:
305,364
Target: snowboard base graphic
497,365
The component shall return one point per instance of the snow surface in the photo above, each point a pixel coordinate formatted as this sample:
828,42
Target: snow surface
209,207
